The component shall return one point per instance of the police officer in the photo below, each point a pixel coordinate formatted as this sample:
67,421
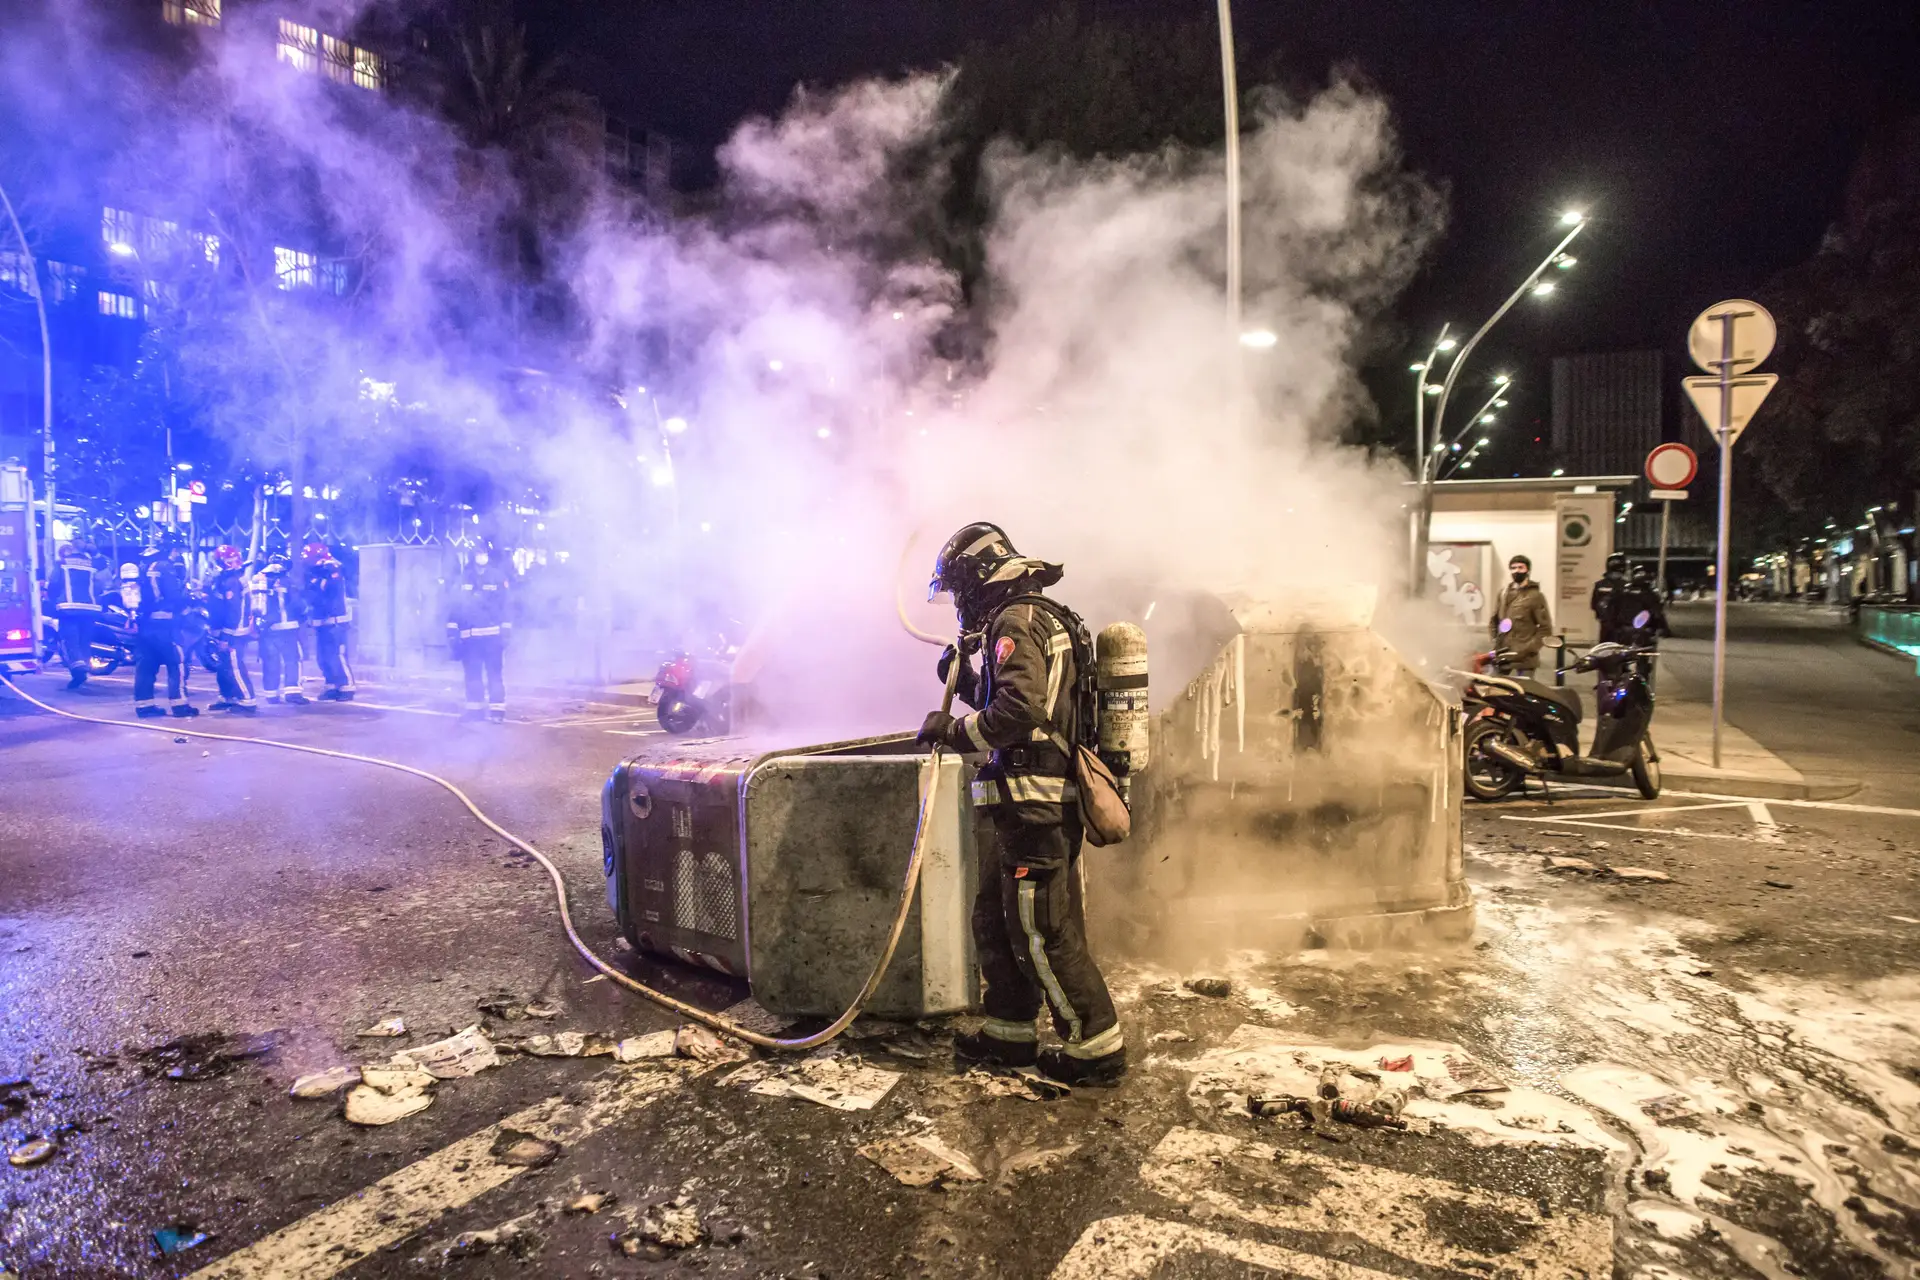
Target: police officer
161,600
76,607
1029,923
1605,599
230,627
477,631
280,613
1638,596
329,612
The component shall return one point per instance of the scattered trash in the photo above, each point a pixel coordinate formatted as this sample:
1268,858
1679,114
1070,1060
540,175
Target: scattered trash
591,1202
672,1226
1469,1076
696,1042
1034,1160
524,1150
1390,1102
1598,844
323,1083
463,1054
1330,1082
564,1044
205,754
386,1028
503,1005
841,1083
1646,874
180,742
1217,988
203,1056
14,1091
920,1161
1668,1108
140,955
1026,1083
750,1014
655,1044
179,1238
1169,1037
1778,884
1397,1064
1579,865
1277,1104
1362,1115
386,1094
31,1152
543,1011
515,1236
598,977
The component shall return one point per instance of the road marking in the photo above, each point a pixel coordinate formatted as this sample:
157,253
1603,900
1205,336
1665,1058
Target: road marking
1136,1247
1641,811
637,733
1621,826
1300,1191
1731,802
329,1241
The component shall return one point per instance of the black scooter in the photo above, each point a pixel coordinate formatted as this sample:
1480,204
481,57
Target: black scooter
1520,728
112,641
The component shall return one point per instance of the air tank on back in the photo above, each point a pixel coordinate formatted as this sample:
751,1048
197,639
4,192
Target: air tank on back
1120,675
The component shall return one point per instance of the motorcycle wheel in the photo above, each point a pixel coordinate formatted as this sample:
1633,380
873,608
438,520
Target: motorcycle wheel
677,715
99,664
1646,770
1488,777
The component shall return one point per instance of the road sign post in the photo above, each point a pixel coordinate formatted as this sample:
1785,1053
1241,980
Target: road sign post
1728,340
1670,468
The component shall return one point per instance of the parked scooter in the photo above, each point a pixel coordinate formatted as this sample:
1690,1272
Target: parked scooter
112,641
1519,728
689,692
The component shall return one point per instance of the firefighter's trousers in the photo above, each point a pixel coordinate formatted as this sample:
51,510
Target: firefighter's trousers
230,670
280,661
76,644
330,651
151,652
1029,928
483,658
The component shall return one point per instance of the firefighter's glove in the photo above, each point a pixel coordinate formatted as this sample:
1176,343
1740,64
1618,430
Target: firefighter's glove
936,731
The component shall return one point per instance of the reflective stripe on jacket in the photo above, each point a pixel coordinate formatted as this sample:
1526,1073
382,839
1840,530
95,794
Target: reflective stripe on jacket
1026,682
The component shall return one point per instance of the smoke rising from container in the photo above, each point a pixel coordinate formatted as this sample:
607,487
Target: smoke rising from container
760,405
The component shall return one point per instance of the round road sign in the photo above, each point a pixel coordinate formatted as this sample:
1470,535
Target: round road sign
1753,335
1671,466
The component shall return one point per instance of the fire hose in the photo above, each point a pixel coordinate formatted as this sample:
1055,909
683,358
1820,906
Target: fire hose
661,998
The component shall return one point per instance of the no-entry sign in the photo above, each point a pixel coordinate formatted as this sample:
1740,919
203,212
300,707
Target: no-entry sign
1671,467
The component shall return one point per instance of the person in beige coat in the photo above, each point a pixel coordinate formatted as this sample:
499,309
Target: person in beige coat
1523,604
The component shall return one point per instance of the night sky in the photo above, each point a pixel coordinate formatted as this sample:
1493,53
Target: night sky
1709,139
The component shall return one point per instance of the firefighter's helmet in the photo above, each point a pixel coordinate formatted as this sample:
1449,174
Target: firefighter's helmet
227,559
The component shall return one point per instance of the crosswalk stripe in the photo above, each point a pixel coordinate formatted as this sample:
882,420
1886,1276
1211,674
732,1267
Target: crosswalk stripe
1136,1247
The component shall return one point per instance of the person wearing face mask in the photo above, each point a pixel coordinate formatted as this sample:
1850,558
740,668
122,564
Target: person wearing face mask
477,631
1523,605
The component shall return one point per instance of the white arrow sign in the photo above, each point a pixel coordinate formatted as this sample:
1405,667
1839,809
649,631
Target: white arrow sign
1748,393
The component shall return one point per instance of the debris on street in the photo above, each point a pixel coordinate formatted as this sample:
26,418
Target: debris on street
386,1028
1580,866
675,1225
386,1094
516,1236
1027,1083
654,1044
463,1054
696,1042
845,1084
1403,1063
1216,988
179,1238
1670,1108
920,1160
203,1056
13,1093
590,1202
1169,1037
543,1011
524,1150
31,1152
322,1084
561,1044
1033,1160
1645,874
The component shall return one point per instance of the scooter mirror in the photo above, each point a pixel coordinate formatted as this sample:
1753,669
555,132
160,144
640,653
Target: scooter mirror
1506,625
1641,619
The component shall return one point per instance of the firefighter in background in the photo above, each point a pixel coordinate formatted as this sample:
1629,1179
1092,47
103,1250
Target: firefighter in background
230,626
1029,922
278,619
329,613
76,608
477,632
160,601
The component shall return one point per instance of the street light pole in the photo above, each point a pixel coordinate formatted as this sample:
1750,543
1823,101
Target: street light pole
1230,85
1441,448
46,371
1578,223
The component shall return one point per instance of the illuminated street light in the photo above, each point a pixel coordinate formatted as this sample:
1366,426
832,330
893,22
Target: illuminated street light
1486,418
121,249
661,475
824,432
1417,367
1445,344
776,365
1501,379
1434,388
1572,218
1425,389
1259,339
1542,289
1565,261
674,426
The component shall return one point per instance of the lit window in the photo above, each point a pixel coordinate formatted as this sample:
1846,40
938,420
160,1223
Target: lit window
191,13
292,269
369,71
117,227
208,246
337,59
119,304
298,47
64,280
331,277
14,273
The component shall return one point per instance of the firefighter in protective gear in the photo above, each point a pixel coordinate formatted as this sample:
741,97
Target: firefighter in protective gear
1029,923
478,628
279,614
230,628
329,612
161,601
76,608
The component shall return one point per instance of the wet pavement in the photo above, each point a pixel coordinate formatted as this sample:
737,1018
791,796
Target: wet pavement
1715,1074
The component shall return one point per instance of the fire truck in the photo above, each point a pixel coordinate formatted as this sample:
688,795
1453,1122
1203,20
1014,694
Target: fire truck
19,582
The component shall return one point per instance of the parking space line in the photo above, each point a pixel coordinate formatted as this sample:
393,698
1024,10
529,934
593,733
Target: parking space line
327,1242
1135,1247
1621,826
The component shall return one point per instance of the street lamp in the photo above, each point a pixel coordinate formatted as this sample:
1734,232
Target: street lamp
1259,339
1575,222
1424,388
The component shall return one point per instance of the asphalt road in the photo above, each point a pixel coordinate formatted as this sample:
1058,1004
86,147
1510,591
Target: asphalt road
1707,1075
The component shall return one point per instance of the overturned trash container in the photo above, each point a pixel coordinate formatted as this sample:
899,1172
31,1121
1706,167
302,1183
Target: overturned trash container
785,868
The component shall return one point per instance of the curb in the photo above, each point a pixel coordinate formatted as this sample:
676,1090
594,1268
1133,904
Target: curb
1891,651
380,676
1759,787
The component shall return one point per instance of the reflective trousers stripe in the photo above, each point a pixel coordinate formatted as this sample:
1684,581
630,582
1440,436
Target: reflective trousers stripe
1112,1040
1011,1032
1037,950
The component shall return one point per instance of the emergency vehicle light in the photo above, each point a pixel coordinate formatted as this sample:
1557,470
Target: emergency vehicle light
16,635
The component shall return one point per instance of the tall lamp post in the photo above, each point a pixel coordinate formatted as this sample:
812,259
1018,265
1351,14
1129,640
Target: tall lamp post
1533,284
46,369
1230,85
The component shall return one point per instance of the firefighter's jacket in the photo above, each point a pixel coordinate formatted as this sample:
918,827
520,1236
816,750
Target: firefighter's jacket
281,608
478,610
230,613
1025,691
164,601
327,597
73,591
